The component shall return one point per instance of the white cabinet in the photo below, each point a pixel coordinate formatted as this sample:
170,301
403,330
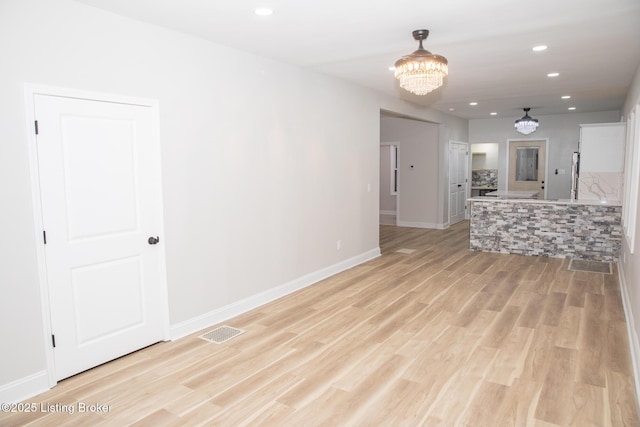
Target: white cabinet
602,147
601,162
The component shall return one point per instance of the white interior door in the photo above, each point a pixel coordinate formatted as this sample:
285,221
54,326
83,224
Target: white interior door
458,176
100,190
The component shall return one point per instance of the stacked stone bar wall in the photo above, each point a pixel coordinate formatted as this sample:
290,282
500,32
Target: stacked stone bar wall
588,232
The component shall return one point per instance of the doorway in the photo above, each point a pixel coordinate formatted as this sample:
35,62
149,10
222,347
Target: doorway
388,182
98,207
527,165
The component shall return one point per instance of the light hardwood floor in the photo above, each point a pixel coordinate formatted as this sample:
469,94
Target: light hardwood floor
439,337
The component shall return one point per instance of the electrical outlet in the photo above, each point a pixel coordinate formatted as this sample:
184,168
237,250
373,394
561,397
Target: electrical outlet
339,244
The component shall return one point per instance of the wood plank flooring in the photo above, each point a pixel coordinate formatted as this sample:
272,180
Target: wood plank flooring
439,337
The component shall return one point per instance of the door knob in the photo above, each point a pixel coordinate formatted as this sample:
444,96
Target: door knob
153,240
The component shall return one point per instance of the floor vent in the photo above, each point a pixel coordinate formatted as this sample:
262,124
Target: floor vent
406,251
590,266
221,334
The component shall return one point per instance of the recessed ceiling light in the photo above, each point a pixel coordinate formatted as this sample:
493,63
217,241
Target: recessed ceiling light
263,11
493,113
539,48
553,74
473,103
566,96
571,108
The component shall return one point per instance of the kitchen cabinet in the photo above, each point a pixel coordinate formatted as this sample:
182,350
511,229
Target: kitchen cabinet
601,168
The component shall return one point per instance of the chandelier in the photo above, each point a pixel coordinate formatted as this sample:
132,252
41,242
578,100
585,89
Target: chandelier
421,71
526,124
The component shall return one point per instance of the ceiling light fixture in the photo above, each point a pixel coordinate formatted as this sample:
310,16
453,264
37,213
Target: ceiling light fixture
263,11
539,48
421,71
553,74
473,103
526,124
566,96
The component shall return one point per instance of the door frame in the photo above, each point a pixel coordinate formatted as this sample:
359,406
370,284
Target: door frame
467,177
546,163
30,91
397,145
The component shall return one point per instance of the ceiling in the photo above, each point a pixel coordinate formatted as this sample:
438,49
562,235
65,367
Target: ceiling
594,45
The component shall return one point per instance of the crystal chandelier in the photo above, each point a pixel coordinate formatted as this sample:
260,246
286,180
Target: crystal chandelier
421,71
526,124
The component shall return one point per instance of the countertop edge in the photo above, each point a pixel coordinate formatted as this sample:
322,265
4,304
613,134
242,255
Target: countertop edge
545,202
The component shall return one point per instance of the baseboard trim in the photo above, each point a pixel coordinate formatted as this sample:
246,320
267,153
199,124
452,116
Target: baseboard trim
422,225
634,344
221,314
24,388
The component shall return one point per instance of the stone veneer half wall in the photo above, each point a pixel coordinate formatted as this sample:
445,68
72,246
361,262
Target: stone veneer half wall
589,232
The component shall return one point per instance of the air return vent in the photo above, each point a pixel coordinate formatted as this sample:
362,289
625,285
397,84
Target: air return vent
590,266
221,334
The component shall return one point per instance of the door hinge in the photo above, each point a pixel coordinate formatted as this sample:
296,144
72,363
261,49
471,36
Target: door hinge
36,126
44,236
53,340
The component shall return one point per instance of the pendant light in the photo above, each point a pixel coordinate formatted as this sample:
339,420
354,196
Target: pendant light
526,124
421,71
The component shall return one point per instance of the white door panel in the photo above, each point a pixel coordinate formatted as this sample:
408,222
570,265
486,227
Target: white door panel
99,169
99,288
458,171
99,175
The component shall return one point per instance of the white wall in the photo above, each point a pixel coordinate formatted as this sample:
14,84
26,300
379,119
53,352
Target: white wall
486,156
630,266
563,132
263,170
418,170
